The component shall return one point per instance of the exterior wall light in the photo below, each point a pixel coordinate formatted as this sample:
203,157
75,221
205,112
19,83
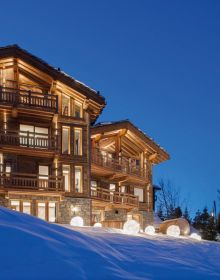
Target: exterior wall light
74,209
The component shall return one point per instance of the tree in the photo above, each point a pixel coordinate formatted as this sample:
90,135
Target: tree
218,223
169,200
205,223
186,215
178,212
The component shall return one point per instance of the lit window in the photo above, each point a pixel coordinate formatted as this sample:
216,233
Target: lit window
78,179
41,210
112,187
66,174
33,136
65,105
78,141
94,185
140,193
8,168
43,176
15,205
78,110
26,207
65,140
52,212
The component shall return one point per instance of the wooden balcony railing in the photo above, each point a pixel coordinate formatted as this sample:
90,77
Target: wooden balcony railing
24,98
120,164
114,197
28,139
25,181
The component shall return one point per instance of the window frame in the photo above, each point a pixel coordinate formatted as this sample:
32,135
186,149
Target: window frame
62,142
81,178
80,148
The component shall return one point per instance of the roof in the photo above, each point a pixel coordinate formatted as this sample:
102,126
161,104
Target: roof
108,126
55,73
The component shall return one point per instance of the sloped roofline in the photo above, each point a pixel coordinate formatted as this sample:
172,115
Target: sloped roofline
108,126
17,52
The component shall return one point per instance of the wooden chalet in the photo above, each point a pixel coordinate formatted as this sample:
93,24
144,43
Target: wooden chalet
54,162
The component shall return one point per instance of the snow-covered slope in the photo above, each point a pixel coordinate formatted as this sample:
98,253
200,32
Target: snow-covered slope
33,249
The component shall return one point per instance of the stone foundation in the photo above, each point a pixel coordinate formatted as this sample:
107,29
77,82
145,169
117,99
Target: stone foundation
4,201
66,212
115,215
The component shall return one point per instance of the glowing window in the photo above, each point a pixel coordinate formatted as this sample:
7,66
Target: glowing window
65,105
78,141
78,179
15,205
41,210
26,207
52,212
140,193
65,140
66,174
78,110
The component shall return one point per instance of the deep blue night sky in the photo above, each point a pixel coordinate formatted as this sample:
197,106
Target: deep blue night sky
156,62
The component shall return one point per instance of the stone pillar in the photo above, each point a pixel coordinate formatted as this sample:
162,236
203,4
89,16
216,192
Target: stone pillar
67,212
4,201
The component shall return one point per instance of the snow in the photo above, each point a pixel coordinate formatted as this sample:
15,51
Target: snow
34,249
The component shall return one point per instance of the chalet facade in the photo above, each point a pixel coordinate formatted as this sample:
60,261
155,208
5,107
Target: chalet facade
54,162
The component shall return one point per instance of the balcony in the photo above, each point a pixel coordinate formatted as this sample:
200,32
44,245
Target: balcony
119,198
31,182
120,164
28,99
28,139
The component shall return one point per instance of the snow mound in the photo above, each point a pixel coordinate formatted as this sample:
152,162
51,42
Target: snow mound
33,249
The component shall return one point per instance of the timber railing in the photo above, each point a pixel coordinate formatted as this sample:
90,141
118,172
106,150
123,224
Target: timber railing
118,164
35,182
114,197
25,98
28,139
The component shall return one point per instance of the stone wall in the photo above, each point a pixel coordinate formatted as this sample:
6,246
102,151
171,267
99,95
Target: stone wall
115,215
66,212
4,201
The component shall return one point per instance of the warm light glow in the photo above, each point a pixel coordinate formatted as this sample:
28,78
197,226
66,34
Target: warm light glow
131,227
77,221
98,225
150,230
195,236
5,121
173,231
74,208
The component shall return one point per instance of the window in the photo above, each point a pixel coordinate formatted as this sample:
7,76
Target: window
65,105
122,189
33,136
41,210
78,179
112,187
65,140
66,174
43,176
140,193
27,207
78,110
15,205
94,185
52,212
1,162
8,168
78,141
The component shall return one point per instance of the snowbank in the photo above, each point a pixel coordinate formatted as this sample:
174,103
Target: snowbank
33,249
